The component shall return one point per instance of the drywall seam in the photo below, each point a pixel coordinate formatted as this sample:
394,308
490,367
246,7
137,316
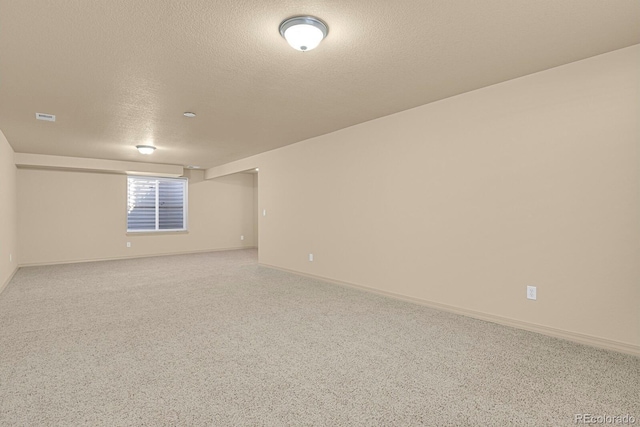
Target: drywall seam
79,261
6,282
518,324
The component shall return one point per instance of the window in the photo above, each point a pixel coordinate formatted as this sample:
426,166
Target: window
156,204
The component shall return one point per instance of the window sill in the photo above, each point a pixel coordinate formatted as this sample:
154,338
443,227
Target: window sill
156,233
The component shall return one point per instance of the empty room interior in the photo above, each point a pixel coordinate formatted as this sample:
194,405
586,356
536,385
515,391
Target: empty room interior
319,213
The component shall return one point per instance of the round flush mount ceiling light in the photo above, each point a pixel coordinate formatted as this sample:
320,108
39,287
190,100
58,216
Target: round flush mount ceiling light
303,32
189,114
145,149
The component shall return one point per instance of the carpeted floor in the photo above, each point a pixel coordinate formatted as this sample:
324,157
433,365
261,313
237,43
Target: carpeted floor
215,339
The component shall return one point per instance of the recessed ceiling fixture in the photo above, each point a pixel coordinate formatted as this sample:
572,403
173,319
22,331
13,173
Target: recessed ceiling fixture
46,117
189,114
303,32
145,149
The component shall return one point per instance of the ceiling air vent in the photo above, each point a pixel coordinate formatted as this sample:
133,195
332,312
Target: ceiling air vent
47,117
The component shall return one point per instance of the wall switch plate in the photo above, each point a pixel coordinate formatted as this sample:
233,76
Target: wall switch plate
531,292
241,237
310,257
264,212
128,244
10,257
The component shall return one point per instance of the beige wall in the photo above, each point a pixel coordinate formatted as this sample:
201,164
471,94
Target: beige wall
76,216
8,213
466,201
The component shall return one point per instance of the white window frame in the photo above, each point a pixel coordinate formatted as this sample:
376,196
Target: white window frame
185,205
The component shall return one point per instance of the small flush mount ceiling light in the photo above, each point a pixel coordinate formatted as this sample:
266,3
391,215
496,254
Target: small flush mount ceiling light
303,32
145,149
189,114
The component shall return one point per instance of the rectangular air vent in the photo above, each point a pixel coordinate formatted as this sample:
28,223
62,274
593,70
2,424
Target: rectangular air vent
47,117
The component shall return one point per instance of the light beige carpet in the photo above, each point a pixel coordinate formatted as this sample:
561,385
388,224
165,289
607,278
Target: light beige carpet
215,339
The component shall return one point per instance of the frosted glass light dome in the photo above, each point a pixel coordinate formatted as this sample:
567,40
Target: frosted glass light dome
303,33
145,149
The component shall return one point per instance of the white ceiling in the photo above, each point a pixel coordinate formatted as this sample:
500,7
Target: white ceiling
117,73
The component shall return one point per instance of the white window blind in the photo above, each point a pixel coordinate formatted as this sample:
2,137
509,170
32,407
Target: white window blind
156,204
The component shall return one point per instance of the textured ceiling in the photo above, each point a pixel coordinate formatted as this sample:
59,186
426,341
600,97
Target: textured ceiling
118,72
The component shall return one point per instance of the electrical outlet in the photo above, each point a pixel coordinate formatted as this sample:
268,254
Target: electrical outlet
310,257
241,237
531,292
128,244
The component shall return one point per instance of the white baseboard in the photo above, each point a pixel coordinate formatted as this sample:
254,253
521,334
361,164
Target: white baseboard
6,282
590,340
77,261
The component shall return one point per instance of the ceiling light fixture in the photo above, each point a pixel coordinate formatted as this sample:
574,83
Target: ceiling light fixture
145,149
189,114
303,32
